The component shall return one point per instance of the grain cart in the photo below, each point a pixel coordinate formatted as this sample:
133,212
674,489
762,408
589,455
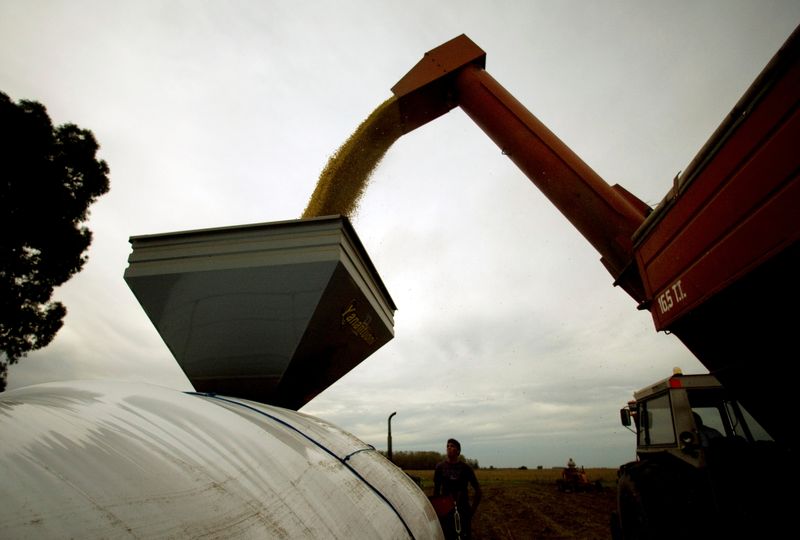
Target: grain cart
705,467
715,262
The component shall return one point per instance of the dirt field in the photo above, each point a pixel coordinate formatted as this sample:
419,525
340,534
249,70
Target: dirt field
525,504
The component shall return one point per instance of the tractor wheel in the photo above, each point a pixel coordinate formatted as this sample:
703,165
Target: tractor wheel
658,500
643,502
616,529
633,522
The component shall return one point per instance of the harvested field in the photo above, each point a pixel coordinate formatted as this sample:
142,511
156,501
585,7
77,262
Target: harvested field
525,504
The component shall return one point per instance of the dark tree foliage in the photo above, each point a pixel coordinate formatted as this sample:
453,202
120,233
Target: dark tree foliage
48,179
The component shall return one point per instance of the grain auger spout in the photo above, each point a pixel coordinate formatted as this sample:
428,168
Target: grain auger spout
453,75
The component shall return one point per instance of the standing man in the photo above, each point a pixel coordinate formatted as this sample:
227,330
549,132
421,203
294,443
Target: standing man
453,477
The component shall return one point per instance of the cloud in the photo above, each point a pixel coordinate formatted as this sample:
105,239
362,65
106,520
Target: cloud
509,332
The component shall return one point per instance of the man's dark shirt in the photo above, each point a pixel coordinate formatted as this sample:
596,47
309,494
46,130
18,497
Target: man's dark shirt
453,479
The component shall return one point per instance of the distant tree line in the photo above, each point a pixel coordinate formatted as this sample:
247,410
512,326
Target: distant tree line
421,460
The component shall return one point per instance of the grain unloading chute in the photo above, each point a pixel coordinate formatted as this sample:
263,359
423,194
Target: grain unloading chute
273,312
453,75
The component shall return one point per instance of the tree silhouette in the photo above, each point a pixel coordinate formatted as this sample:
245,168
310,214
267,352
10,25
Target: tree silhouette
48,179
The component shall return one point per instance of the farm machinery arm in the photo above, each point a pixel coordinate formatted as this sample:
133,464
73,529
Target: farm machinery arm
453,75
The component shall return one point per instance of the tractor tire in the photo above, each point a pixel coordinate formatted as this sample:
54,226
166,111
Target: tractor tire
616,529
634,519
658,501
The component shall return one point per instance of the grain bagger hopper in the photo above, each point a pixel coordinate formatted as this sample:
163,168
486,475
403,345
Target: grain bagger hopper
715,262
271,312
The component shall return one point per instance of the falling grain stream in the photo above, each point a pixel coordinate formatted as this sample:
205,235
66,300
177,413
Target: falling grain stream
346,175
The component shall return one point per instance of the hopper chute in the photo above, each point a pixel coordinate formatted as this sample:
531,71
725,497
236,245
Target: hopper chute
273,312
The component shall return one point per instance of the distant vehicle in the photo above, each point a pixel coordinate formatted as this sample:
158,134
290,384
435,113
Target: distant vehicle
574,479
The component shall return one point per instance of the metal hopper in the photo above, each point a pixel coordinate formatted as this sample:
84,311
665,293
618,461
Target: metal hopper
273,312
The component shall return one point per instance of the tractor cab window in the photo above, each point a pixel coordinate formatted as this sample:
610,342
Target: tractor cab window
757,432
708,423
713,412
655,423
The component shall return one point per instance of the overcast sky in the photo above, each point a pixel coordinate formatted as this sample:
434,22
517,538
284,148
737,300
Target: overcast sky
509,334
